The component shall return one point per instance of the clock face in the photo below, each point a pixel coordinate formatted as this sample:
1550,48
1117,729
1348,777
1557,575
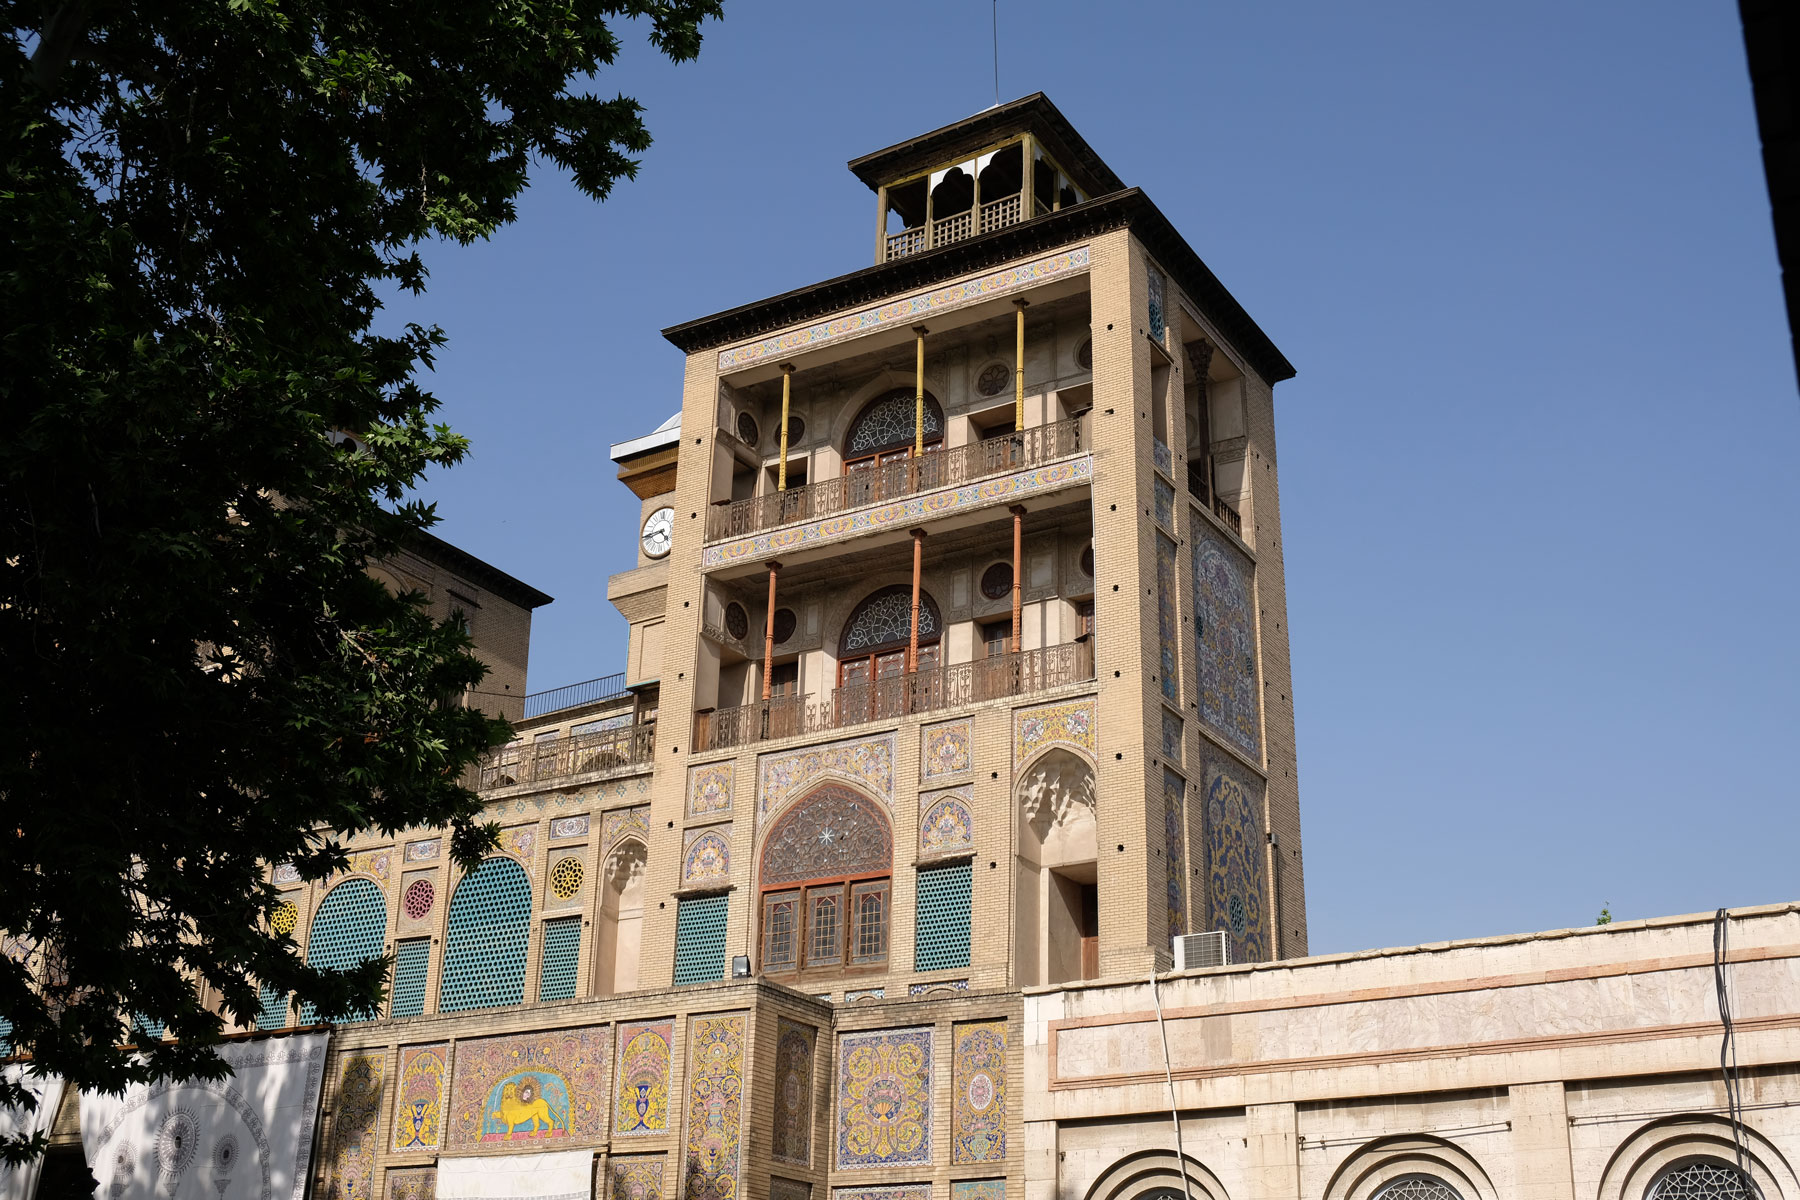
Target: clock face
659,528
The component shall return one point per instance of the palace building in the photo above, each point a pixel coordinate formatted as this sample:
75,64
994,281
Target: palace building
941,838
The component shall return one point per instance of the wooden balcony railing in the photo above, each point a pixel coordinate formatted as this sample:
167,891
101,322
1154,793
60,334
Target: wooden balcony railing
995,214
953,686
559,758
907,477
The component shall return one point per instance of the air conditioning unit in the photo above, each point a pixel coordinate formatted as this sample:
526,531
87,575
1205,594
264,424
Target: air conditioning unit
1196,950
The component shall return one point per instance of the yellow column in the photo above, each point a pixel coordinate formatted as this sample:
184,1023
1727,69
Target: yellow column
1019,371
919,332
787,378
912,647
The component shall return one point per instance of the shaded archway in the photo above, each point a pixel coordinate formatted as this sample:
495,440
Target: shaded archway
618,933
823,878
1056,881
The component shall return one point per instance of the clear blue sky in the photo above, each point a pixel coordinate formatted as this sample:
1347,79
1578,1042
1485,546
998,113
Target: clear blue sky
1537,466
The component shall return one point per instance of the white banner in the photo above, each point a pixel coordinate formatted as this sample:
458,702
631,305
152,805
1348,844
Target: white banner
20,1183
248,1136
560,1175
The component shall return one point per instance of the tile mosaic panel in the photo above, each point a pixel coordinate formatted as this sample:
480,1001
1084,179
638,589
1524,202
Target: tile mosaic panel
947,825
792,1142
1165,503
709,789
907,512
1158,324
1174,840
789,1189
908,309
714,1108
1070,723
706,855
978,1189
425,851
884,1191
1225,637
1165,617
530,1087
419,1097
412,1183
945,750
519,842
865,994
1171,736
884,1098
641,1105
868,762
635,1177
1234,834
945,986
358,1119
568,827
978,1092
623,823
374,863
286,873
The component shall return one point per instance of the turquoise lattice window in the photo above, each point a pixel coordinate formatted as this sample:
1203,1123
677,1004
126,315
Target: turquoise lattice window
484,949
143,1029
274,1012
562,955
5,1037
942,930
347,931
411,959
700,940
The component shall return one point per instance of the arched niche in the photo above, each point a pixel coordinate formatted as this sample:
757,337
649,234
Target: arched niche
1056,879
487,930
618,926
348,929
1656,1148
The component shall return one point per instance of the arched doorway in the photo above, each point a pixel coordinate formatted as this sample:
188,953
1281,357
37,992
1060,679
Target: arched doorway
872,650
619,928
1057,926
880,441
823,879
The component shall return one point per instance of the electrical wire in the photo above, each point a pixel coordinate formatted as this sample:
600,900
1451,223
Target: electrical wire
1728,1066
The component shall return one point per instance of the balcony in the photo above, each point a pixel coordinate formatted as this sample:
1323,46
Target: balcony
996,214
955,686
897,480
561,758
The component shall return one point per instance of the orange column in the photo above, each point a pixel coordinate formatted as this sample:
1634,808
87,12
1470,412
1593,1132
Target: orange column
1018,514
769,637
912,648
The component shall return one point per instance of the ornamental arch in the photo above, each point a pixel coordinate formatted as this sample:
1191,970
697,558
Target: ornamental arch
348,928
1157,1175
1648,1164
824,876
619,923
1410,1167
1056,871
488,930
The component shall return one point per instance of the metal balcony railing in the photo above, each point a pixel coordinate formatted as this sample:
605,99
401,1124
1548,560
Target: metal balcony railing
859,488
953,686
559,758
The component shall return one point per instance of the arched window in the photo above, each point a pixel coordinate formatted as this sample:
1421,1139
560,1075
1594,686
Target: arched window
1417,1187
824,879
872,651
883,431
348,930
1701,1179
484,947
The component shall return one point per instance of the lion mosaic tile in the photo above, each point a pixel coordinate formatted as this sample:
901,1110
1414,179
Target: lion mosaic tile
358,1118
709,789
907,309
548,1086
706,855
792,1141
641,1104
1234,835
947,823
623,823
412,1183
978,1092
867,762
1225,637
1001,489
944,750
714,1108
884,1098
419,1098
635,1177
1069,723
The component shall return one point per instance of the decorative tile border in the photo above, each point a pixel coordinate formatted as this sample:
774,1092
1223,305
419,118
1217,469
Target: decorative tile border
907,309
1001,489
884,1191
948,823
867,762
938,985
1070,723
623,823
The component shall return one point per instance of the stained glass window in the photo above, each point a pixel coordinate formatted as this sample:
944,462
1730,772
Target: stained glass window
837,842
1418,1187
833,833
825,925
884,618
868,906
1702,1179
348,930
779,931
887,423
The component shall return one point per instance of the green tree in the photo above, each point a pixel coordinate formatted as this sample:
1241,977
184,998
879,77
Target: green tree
204,202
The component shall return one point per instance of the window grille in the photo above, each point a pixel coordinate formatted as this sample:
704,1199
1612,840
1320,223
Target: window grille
562,955
778,931
825,926
1702,1179
144,1029
700,940
5,1038
868,906
942,927
347,931
274,1014
565,878
411,959
484,947
1418,1187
